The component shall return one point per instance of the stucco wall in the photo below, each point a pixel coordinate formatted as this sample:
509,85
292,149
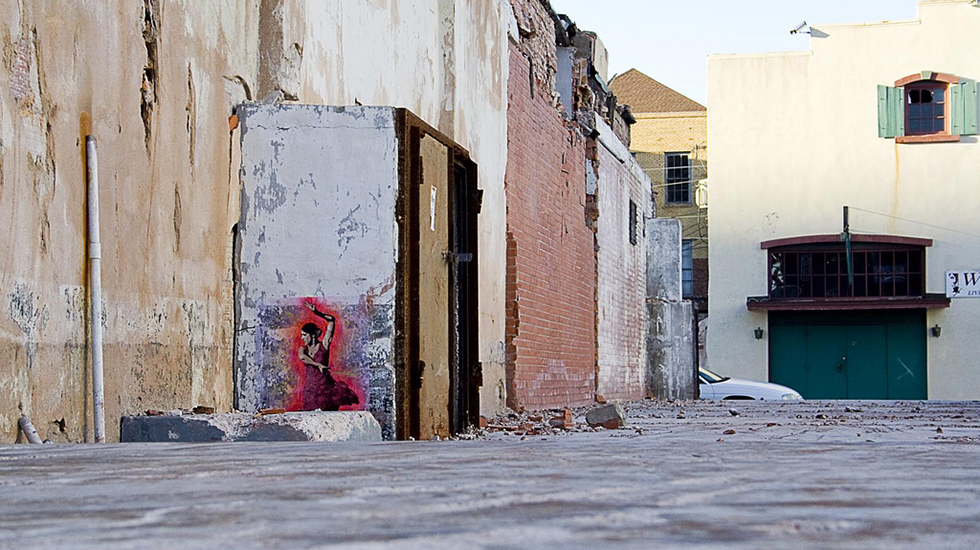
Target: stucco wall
318,227
622,313
670,336
151,75
446,62
159,79
794,139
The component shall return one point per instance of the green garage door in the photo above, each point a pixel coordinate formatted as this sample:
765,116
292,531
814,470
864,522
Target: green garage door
849,355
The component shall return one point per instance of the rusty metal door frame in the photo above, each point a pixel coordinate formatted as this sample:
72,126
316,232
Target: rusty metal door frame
465,372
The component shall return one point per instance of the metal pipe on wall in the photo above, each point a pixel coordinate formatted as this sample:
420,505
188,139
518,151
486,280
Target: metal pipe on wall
95,284
30,432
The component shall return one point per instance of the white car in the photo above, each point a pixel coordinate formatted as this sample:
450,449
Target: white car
714,386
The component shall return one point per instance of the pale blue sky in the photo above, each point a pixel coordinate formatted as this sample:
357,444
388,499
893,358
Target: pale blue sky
670,40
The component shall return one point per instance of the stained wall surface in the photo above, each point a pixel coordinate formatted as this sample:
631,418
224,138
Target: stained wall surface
160,79
787,155
622,313
670,338
317,232
444,60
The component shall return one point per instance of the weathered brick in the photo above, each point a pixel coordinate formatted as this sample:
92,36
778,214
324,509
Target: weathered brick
551,279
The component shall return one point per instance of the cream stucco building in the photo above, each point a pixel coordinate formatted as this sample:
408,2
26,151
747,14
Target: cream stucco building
879,118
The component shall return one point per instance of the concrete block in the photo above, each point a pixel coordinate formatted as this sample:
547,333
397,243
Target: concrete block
608,416
664,259
670,350
318,226
292,426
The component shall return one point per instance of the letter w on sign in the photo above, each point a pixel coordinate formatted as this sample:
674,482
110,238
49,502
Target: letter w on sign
963,284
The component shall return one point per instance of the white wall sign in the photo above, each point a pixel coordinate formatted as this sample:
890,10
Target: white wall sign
963,284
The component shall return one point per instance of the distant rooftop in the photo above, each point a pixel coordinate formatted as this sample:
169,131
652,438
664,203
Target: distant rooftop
645,95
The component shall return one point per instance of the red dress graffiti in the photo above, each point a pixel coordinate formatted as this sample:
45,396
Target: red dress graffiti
320,389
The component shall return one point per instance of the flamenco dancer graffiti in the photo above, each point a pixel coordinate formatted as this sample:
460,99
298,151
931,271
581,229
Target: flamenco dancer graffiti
320,390
313,353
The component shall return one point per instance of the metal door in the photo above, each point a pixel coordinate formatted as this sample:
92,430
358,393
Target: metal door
442,391
825,363
850,354
435,301
866,361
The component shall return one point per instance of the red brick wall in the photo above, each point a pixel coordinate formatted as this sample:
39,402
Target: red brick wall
700,278
551,270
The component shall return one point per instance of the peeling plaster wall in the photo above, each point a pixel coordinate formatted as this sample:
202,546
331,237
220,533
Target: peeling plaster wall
622,312
159,79
324,230
444,60
670,343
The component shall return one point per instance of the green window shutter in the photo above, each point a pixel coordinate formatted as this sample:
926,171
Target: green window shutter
891,112
963,108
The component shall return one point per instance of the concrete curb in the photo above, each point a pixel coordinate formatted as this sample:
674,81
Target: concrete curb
290,426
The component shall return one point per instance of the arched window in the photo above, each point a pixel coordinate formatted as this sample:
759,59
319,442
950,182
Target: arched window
928,107
819,272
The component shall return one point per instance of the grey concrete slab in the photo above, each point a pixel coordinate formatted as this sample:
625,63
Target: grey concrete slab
804,475
290,426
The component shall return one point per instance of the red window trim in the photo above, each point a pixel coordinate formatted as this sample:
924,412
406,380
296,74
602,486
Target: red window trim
926,75
928,138
764,303
939,137
817,239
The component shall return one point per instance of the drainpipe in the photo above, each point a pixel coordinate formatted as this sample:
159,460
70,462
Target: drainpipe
95,283
30,433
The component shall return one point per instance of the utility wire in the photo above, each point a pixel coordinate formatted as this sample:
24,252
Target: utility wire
916,222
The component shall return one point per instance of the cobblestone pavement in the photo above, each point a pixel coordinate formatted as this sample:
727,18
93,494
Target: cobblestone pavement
836,475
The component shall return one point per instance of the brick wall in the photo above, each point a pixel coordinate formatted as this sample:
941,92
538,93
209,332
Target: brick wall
652,136
622,312
701,277
551,273
655,134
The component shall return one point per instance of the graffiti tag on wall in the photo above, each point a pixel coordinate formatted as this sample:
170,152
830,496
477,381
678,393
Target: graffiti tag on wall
311,356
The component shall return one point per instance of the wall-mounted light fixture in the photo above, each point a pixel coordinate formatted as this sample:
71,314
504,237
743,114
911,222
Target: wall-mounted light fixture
758,333
936,331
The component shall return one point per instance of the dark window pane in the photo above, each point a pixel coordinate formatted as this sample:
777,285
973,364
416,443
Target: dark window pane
915,261
901,286
860,285
915,285
833,264
926,110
